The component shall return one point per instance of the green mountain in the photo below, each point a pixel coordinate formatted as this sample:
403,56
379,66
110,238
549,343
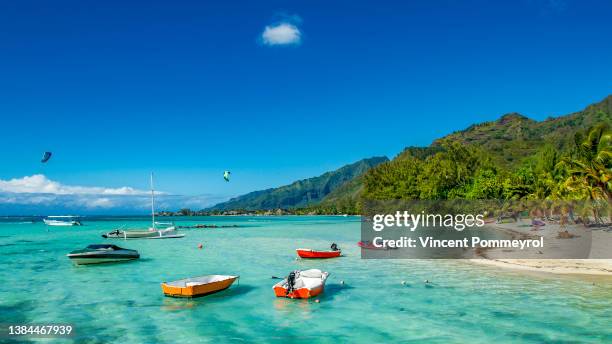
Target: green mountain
302,193
483,161
513,137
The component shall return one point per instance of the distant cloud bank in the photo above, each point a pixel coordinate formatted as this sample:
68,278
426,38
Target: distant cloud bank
39,183
38,195
285,32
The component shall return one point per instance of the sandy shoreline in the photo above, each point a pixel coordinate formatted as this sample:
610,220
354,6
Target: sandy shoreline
596,242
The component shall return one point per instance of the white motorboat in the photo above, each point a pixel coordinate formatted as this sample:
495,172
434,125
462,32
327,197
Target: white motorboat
301,284
62,220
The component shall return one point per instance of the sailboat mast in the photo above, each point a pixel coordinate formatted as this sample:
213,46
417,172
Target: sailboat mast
152,203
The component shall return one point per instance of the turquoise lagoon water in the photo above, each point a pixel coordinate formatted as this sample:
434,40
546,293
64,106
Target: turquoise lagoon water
123,303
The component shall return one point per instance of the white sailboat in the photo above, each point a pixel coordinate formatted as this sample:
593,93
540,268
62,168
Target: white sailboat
153,232
62,220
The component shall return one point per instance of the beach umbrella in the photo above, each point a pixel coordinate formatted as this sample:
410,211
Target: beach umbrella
226,175
46,157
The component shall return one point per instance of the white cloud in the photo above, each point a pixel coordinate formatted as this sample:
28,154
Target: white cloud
39,183
281,34
101,202
37,194
37,203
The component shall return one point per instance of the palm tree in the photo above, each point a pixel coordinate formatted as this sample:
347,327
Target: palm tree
590,167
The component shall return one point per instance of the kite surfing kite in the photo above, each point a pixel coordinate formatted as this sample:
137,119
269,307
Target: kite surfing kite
46,157
226,175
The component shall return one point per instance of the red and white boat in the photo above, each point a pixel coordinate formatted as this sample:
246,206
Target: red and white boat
308,253
301,284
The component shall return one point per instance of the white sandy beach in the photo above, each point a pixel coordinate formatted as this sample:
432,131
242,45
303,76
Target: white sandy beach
600,242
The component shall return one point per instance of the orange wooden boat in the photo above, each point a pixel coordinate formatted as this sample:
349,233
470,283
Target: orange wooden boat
308,253
301,284
198,286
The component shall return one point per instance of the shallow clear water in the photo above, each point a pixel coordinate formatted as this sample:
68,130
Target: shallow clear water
123,303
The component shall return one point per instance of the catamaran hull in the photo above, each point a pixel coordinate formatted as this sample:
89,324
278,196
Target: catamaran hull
170,236
130,235
142,235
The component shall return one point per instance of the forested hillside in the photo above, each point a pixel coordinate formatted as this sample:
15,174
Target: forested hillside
513,157
301,193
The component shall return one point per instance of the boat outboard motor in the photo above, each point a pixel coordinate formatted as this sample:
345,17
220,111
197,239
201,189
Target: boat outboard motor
291,281
334,247
111,233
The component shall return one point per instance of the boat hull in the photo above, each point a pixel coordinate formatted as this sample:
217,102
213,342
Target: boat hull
302,293
167,236
306,285
160,234
57,223
311,254
130,234
198,290
102,258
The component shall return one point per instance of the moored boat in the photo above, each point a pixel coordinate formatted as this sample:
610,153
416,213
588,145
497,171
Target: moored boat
198,286
308,253
333,252
167,233
154,232
62,220
301,284
102,253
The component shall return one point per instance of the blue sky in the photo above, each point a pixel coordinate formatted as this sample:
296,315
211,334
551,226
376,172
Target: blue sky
274,91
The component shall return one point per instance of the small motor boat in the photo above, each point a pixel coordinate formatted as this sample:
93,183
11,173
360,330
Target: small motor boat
301,284
198,286
102,253
308,253
62,221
